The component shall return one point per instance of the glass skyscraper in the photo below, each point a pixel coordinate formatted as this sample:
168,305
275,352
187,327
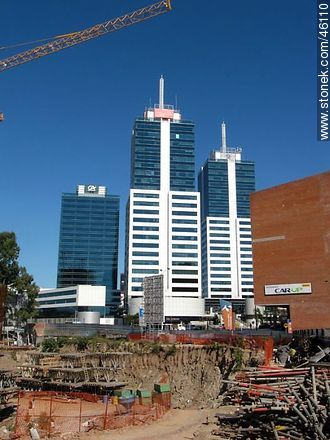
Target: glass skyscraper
225,183
88,244
163,211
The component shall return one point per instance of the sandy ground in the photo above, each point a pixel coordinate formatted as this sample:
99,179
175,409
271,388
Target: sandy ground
177,424
7,361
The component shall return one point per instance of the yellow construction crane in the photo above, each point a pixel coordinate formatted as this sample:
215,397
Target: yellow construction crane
61,42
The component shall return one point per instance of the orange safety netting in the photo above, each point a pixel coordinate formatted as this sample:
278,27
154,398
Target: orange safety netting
52,413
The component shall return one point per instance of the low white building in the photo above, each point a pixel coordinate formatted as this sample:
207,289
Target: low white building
82,303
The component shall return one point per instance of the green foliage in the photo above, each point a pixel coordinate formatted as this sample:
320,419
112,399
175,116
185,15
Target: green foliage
132,319
156,348
82,343
26,287
216,320
50,345
18,287
238,356
171,351
215,346
9,252
63,340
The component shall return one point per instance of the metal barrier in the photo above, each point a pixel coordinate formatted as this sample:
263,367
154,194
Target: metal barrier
53,414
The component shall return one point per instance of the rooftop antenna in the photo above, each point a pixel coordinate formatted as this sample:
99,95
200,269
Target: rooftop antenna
176,102
223,136
161,92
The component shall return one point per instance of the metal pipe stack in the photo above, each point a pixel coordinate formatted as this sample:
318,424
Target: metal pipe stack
277,403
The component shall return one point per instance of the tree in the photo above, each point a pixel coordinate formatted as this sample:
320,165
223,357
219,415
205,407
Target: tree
9,268
17,288
27,290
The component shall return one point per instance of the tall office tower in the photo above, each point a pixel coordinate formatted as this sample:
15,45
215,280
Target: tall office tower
163,210
88,246
225,183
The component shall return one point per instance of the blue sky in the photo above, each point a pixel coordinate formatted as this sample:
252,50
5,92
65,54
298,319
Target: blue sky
69,116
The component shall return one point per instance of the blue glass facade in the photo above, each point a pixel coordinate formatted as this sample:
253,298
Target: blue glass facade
88,245
182,157
245,185
145,158
213,186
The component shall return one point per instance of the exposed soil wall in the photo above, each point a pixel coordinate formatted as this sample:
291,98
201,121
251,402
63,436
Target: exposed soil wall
194,372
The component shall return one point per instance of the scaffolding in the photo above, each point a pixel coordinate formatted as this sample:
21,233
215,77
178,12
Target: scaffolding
154,301
73,371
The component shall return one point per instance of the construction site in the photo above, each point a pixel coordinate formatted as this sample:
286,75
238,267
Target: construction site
220,327
172,386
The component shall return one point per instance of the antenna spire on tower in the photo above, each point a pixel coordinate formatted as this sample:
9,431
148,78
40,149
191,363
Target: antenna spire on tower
223,136
161,92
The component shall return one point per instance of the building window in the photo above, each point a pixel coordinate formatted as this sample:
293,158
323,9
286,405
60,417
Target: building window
185,213
145,220
184,289
220,255
184,272
184,263
183,254
146,211
219,222
146,245
185,230
142,203
145,271
185,221
183,197
222,283
145,237
184,237
145,254
220,269
145,228
185,280
145,263
184,205
184,246
146,196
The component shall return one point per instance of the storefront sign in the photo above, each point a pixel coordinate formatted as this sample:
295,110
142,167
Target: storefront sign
288,289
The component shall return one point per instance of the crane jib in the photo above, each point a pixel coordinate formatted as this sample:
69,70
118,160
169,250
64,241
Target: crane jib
68,40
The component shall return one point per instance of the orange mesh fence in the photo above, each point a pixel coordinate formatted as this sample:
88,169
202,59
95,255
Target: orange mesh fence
52,413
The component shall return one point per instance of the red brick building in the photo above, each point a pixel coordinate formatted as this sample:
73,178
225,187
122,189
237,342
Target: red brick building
291,249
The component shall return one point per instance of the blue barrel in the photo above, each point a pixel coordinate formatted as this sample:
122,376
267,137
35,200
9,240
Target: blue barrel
127,402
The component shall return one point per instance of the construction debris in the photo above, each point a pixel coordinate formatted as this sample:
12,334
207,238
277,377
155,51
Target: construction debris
277,403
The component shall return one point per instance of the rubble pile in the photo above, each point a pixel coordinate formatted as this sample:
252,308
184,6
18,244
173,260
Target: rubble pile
278,403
